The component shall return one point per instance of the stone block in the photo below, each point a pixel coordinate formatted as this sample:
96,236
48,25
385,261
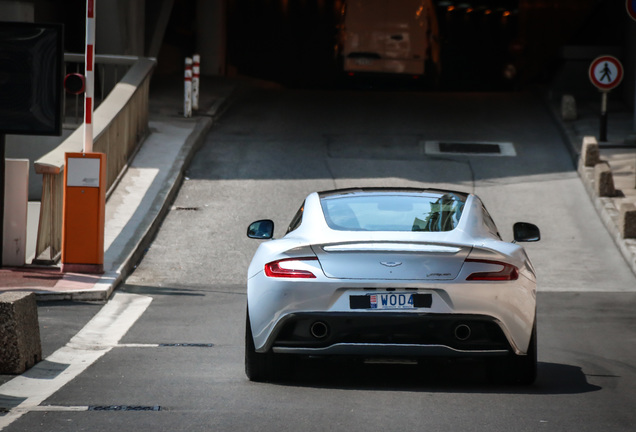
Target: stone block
590,155
568,108
603,180
627,220
20,345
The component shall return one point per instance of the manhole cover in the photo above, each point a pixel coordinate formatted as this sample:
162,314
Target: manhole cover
469,148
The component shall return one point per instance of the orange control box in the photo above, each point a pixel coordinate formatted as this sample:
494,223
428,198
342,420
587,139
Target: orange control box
84,213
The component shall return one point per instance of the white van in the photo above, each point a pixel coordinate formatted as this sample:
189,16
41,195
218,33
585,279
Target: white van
390,36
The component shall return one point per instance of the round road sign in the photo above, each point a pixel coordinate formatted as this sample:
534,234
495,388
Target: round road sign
606,72
631,8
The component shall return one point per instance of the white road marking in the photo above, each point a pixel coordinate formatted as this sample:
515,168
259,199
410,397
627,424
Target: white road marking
99,336
55,408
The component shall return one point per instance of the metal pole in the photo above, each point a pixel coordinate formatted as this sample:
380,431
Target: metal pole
603,127
90,76
2,175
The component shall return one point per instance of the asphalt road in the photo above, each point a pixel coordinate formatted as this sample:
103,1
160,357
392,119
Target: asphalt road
180,366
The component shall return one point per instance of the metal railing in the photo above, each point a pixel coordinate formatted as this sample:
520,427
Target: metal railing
119,125
109,69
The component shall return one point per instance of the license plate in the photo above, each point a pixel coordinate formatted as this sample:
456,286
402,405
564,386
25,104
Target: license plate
364,61
391,301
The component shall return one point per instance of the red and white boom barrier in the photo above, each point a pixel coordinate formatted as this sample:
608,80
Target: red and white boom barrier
89,75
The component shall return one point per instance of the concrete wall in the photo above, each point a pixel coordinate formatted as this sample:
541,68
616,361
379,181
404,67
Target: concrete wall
16,11
211,36
120,27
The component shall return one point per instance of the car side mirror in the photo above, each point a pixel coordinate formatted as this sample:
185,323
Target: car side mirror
526,232
262,229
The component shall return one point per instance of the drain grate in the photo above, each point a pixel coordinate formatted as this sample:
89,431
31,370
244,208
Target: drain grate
469,148
124,408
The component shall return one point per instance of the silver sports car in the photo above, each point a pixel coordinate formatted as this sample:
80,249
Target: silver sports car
389,272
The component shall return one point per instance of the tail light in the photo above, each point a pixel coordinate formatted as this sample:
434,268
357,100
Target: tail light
508,272
291,268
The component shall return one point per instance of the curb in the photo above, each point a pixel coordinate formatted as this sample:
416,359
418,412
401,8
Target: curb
109,281
605,207
608,213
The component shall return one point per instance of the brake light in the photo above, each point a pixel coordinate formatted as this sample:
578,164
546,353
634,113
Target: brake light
508,272
290,268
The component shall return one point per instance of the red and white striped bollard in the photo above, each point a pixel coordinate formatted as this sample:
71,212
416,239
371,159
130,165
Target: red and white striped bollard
187,88
196,70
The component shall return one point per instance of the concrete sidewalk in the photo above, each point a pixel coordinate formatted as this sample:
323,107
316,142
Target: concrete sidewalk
619,151
139,201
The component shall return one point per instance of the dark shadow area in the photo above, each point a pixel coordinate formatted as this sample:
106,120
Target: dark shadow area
183,291
484,45
479,45
61,320
298,45
9,402
291,43
160,291
437,375
46,370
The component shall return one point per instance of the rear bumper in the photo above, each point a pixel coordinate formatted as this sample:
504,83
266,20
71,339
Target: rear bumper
389,350
390,334
276,304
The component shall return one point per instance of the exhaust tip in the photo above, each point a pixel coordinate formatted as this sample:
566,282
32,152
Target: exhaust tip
462,332
319,330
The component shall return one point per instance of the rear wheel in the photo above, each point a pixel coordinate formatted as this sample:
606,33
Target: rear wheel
516,369
261,367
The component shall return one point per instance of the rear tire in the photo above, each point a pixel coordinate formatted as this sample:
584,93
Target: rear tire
261,367
516,369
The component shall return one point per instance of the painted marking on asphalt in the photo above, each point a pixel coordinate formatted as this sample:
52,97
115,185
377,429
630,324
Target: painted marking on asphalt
101,334
57,408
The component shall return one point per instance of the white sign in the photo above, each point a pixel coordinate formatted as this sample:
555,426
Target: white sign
82,172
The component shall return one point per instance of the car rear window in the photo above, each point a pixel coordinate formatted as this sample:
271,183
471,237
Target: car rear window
398,212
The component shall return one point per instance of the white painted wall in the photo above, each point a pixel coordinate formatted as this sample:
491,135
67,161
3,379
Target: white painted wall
16,191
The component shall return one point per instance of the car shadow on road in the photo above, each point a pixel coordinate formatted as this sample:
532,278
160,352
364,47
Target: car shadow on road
447,376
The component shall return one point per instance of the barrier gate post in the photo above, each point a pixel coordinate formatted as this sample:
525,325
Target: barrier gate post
84,213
